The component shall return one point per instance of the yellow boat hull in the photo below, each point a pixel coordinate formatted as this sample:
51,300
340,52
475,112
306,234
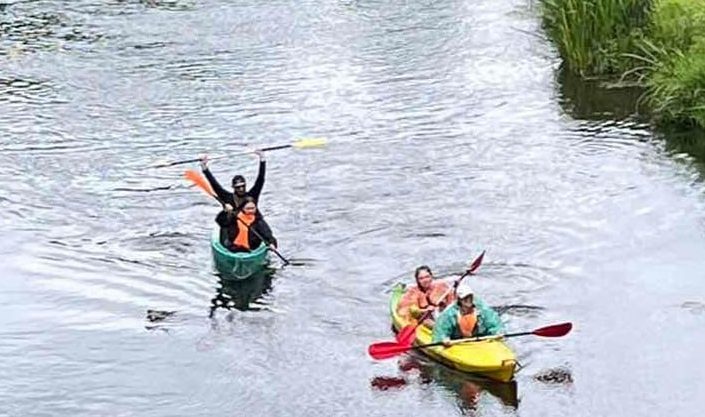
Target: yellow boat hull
490,358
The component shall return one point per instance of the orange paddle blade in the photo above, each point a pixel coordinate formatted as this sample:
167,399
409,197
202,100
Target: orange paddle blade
199,181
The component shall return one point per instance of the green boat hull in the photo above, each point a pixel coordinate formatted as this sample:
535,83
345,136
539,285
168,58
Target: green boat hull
237,265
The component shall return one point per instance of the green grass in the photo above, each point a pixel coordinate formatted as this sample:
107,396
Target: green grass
592,35
659,43
676,90
678,24
676,84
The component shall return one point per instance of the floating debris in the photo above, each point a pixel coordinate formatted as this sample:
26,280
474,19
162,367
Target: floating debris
695,307
157,315
555,376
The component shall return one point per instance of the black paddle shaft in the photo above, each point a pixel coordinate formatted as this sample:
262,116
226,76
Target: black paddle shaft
286,261
274,148
188,161
474,339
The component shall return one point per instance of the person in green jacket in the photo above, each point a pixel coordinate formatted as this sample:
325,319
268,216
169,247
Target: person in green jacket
467,317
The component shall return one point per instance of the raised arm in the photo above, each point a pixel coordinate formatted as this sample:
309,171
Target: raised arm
222,194
256,189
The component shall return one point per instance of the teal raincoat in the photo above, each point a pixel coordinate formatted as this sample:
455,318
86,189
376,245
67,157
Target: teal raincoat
446,327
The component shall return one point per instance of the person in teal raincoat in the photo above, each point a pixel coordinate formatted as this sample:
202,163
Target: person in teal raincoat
467,317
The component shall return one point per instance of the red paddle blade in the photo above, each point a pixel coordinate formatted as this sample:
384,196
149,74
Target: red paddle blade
386,350
406,335
476,263
557,330
200,182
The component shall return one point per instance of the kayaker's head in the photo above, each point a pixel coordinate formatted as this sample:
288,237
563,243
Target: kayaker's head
466,298
248,206
239,185
423,276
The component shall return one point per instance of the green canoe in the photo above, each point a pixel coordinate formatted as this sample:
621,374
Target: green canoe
237,265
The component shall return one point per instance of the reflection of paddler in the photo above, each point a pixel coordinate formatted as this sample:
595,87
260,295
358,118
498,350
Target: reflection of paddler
469,392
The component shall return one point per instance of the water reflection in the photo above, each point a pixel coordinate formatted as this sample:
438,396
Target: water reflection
243,295
170,5
468,390
157,318
691,142
562,376
29,30
594,100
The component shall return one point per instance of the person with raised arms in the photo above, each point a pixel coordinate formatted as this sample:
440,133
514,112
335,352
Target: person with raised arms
236,198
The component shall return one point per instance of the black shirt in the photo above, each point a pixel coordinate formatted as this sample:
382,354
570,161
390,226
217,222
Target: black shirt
232,199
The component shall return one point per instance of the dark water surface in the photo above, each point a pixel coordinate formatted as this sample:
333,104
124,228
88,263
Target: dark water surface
449,133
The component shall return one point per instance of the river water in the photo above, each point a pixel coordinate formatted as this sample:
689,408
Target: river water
450,130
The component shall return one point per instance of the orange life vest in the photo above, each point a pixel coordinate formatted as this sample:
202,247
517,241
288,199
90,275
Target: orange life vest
244,221
414,298
467,323
433,295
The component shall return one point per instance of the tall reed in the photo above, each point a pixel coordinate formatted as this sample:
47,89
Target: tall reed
593,35
660,43
676,83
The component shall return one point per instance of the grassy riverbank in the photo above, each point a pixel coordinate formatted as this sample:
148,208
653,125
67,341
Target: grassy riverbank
659,44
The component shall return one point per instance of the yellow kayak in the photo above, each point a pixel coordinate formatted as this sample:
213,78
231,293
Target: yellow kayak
490,358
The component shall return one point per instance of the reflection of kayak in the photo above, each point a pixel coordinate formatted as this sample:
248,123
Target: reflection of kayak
467,388
237,265
243,294
490,358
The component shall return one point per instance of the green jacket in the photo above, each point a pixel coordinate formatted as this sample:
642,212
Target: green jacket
446,327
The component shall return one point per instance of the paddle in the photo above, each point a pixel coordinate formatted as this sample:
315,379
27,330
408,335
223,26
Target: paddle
298,144
407,334
385,350
203,184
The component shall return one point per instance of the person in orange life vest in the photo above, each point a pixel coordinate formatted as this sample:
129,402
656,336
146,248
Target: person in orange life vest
467,317
244,230
425,296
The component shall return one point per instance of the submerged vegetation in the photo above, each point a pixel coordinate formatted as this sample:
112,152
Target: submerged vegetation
659,44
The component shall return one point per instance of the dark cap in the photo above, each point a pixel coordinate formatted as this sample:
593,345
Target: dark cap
238,180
